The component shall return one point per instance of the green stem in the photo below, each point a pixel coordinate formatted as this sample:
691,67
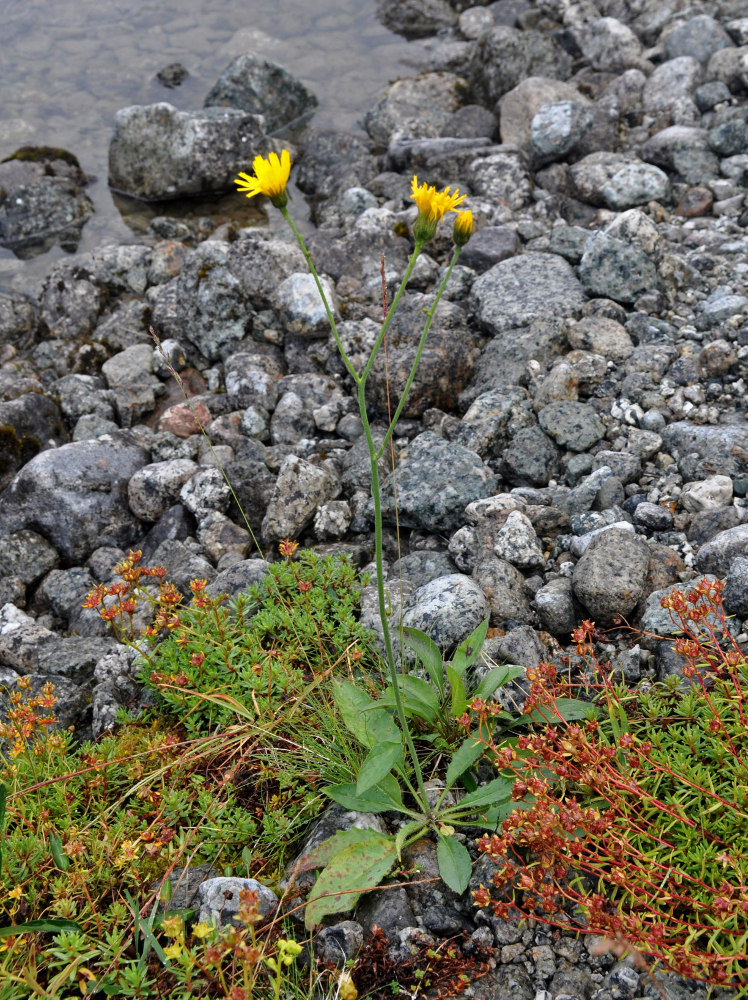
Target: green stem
360,381
419,351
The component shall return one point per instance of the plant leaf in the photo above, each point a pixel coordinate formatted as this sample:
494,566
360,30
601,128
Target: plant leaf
378,764
323,853
374,800
459,697
405,831
570,709
3,796
360,866
463,758
428,653
469,649
497,678
60,858
363,717
498,790
51,926
455,866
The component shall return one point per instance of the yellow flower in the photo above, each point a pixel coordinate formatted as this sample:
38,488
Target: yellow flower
463,228
346,987
271,177
16,893
432,207
201,930
173,950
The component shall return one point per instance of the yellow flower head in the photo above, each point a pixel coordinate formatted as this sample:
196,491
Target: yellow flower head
463,228
432,207
271,178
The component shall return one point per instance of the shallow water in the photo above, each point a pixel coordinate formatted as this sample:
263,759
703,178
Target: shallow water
67,66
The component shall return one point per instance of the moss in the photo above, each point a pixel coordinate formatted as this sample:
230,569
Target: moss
15,449
39,154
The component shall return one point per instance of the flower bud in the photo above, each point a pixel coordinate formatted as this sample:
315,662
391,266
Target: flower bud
463,228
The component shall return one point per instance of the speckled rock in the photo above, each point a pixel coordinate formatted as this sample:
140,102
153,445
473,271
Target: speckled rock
211,309
531,459
616,270
572,425
517,291
447,609
504,56
636,184
436,480
300,488
300,307
517,543
503,585
609,578
421,104
252,84
220,899
26,555
503,176
555,606
717,555
160,152
557,129
75,496
708,494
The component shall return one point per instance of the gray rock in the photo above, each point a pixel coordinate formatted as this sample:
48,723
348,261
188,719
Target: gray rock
260,264
64,590
516,542
447,361
710,94
421,106
581,543
436,480
72,705
555,606
735,594
332,520
519,106
26,555
502,176
83,395
70,302
18,319
220,899
503,584
218,536
583,495
485,425
76,495
652,516
489,246
572,425
44,200
729,138
531,459
291,420
616,270
636,184
603,336
158,152
670,88
261,87
299,305
447,609
422,566
22,640
299,490
204,492
28,425
182,564
238,578
339,943
504,56
155,488
609,578
624,465
699,37
684,151
717,555
611,45
74,657
589,175
416,18
211,307
729,66
708,494
517,291
660,622
557,129
712,445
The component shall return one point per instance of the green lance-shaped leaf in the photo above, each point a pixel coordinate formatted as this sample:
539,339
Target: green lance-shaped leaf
428,653
60,858
469,649
454,862
381,798
463,758
370,724
498,790
51,926
357,867
497,678
378,765
459,695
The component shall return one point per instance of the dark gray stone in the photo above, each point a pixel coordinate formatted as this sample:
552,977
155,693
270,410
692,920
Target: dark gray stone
76,495
423,566
436,480
532,459
735,594
609,578
615,269
717,555
555,606
158,152
220,899
261,87
447,609
504,56
489,246
572,425
26,555
532,286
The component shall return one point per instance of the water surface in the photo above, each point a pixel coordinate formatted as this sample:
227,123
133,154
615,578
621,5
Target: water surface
67,66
